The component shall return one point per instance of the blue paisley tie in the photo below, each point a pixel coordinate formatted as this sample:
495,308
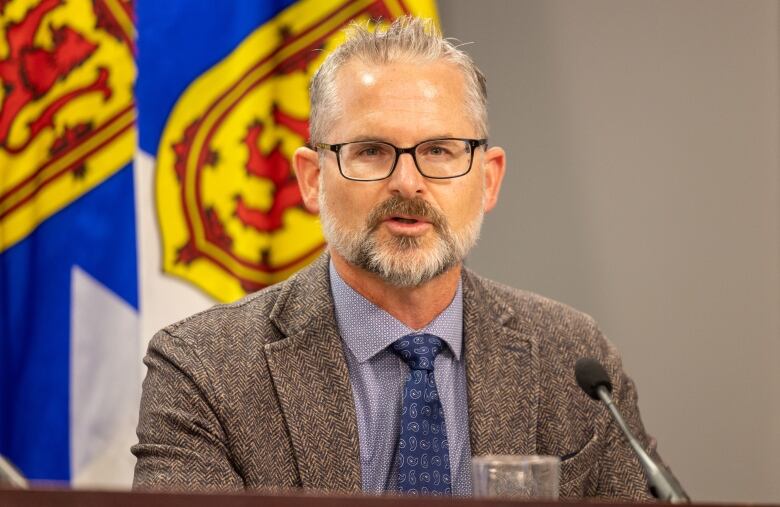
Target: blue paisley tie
423,452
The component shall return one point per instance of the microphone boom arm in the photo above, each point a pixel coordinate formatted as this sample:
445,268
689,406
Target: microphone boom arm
663,484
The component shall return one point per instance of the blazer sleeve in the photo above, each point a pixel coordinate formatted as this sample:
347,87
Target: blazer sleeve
181,442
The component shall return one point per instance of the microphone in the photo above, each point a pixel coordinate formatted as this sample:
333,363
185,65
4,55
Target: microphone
10,475
593,379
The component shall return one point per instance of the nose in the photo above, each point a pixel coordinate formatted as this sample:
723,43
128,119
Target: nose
406,180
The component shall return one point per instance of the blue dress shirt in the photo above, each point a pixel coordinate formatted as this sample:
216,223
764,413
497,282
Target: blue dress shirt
377,377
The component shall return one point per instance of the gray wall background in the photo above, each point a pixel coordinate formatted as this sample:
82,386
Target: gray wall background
643,188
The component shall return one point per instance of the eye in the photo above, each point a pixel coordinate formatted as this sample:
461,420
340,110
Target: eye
438,149
370,150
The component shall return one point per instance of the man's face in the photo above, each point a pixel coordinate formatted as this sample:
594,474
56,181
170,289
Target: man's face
407,228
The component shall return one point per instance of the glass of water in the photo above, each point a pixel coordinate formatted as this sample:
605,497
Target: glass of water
516,476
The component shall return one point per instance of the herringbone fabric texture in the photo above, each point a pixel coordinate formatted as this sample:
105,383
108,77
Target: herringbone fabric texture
256,394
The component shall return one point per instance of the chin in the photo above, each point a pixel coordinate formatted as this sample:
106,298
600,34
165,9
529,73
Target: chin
409,261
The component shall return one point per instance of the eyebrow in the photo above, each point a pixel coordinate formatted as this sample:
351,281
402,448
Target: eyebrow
362,139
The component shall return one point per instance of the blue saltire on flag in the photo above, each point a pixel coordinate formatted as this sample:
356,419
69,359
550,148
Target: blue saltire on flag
96,233
180,40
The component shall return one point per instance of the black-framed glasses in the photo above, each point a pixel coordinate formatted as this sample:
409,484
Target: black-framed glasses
376,160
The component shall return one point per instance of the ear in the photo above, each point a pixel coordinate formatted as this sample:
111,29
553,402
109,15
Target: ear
493,168
307,171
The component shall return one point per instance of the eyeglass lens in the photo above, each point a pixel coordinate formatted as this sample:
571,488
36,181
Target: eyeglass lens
444,158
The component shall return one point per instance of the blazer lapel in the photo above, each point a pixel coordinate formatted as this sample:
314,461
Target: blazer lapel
310,375
502,365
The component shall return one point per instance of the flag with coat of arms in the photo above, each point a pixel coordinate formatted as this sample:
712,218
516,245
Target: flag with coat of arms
145,174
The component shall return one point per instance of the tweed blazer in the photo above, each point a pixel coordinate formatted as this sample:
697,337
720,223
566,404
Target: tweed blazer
256,394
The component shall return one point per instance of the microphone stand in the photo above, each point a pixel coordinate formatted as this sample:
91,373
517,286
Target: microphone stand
663,485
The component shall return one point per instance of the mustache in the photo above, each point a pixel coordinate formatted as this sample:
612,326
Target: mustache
397,205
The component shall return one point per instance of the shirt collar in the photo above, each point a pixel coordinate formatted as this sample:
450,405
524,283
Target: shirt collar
368,329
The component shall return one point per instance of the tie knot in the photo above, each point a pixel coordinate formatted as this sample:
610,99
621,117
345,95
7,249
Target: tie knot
418,351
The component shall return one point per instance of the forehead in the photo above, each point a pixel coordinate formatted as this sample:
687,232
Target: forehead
401,101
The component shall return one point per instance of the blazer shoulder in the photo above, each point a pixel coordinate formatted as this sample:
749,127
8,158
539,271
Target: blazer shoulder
553,324
254,321
531,308
247,317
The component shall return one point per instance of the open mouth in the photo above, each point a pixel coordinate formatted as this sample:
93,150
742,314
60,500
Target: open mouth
405,220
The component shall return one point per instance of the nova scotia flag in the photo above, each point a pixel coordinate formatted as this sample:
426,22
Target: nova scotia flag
106,232
69,344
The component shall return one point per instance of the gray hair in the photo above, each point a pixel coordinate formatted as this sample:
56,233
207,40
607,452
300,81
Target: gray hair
407,38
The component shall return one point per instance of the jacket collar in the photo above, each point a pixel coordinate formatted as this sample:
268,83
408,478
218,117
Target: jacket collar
309,372
502,365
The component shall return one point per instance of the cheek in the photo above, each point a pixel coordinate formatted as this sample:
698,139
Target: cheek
466,203
346,202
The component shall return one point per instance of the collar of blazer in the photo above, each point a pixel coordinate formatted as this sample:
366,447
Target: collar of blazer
310,375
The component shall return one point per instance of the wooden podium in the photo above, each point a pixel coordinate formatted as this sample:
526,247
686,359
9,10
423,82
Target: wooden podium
71,498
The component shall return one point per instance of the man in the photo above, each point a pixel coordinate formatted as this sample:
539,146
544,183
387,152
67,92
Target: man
386,365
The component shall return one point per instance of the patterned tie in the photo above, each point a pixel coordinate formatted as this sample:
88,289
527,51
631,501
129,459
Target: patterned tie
423,452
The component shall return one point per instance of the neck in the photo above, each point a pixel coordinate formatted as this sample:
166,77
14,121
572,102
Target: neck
416,307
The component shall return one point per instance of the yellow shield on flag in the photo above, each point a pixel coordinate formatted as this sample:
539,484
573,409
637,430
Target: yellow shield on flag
229,208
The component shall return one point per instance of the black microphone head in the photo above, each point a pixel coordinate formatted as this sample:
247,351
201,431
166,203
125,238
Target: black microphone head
590,375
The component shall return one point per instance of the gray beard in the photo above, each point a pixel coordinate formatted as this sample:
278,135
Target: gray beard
400,261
